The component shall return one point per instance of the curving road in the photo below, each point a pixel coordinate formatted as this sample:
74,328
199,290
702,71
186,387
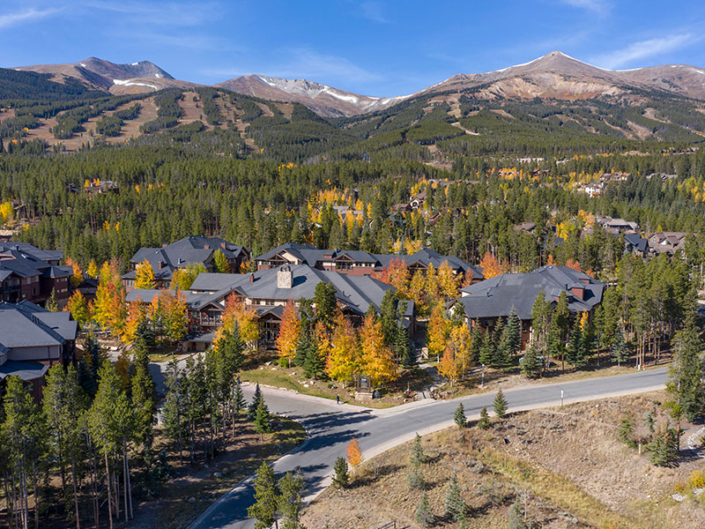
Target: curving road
331,427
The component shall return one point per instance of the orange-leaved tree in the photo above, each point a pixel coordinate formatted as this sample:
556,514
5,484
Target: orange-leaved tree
289,332
136,315
490,265
77,276
354,454
236,311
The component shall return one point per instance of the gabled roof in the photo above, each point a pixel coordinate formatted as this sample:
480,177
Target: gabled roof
294,248
357,292
27,325
189,250
426,257
22,265
310,255
497,296
28,249
636,241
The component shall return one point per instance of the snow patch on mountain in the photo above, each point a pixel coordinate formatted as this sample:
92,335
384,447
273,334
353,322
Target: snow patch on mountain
129,82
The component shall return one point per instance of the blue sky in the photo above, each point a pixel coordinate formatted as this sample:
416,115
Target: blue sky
375,47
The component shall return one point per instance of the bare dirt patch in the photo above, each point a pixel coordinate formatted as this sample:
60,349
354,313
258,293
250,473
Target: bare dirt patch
195,487
565,464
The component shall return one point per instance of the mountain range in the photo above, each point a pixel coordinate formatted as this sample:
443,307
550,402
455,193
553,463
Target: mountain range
554,76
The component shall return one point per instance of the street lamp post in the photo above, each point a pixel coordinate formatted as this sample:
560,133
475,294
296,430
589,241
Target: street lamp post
482,385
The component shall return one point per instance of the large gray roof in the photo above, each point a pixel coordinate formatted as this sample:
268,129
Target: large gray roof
189,250
27,371
358,292
497,296
28,249
27,325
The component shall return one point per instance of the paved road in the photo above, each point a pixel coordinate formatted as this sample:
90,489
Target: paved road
331,427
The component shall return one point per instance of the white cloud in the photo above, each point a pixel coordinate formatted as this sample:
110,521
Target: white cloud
644,49
373,11
178,14
597,6
9,20
303,63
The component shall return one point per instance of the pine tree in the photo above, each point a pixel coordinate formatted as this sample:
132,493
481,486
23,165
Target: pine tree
619,351
389,318
500,404
340,476
64,404
238,401
531,363
25,436
484,422
459,416
516,517
257,398
663,449
454,503
291,487
143,391
315,361
574,352
264,510
111,421
324,298
625,432
487,349
89,365
405,348
52,305
173,413
424,516
513,335
684,377
263,421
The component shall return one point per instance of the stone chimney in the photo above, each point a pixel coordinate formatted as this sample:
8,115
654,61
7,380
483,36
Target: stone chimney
285,277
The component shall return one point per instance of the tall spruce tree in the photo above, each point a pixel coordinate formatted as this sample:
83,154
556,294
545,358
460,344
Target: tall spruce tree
500,404
257,398
575,353
455,506
684,376
266,505
619,351
459,416
292,487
